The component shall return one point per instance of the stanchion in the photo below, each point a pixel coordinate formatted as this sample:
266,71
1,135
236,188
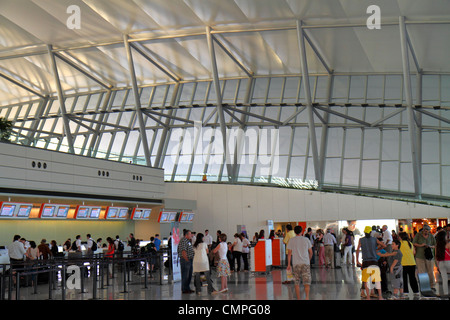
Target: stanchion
17,286
63,281
94,280
145,272
124,271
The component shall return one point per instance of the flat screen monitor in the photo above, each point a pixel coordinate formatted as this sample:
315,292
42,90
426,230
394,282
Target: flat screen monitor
190,217
146,214
137,214
8,210
83,212
48,211
123,213
164,217
24,210
172,216
62,212
95,213
183,217
112,213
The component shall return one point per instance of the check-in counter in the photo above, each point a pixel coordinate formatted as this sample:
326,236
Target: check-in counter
278,252
261,255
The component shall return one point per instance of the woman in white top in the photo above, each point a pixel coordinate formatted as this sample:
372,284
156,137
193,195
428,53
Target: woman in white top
223,267
32,254
245,250
237,252
201,264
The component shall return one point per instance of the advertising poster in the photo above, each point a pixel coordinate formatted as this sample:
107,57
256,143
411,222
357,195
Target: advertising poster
175,261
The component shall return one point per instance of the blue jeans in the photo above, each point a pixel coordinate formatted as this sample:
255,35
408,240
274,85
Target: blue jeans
186,274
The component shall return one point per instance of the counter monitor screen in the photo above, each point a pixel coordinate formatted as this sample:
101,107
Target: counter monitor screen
112,213
24,210
82,212
95,213
48,211
146,214
62,212
8,210
123,213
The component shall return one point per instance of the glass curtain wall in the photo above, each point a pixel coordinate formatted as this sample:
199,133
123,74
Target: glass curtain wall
360,122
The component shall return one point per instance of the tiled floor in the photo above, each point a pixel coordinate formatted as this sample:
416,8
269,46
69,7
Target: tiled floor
327,284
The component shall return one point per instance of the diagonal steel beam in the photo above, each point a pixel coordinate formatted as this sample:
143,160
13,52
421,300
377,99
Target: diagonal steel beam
18,83
219,106
412,128
62,106
137,101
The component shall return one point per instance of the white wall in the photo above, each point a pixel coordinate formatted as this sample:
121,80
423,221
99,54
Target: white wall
223,207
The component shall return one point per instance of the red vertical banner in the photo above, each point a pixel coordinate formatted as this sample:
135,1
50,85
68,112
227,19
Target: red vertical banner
303,225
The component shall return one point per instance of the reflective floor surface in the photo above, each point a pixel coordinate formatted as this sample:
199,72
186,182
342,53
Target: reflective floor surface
327,284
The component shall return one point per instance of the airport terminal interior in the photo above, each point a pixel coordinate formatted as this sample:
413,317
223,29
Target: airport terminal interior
135,122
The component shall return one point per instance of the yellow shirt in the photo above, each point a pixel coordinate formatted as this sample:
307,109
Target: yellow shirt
408,254
289,235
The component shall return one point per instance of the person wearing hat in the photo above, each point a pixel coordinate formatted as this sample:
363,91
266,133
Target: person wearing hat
367,245
423,242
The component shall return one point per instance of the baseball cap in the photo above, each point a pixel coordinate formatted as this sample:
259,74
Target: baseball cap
367,229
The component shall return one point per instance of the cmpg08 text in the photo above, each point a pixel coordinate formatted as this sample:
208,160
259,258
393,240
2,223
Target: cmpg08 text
246,309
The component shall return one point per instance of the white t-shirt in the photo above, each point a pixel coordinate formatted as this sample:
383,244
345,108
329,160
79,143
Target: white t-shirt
299,246
208,239
223,249
201,261
237,245
245,242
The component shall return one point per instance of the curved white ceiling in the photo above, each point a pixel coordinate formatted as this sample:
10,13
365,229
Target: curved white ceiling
260,34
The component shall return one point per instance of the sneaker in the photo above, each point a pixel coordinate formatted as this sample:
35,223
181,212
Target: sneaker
223,290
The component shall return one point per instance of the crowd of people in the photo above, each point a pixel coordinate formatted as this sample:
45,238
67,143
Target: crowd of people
398,258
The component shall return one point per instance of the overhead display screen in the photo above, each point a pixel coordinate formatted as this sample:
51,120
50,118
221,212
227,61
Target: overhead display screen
87,212
141,214
186,217
15,210
167,216
116,213
54,211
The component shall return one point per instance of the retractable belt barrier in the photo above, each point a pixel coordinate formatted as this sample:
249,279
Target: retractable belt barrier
73,270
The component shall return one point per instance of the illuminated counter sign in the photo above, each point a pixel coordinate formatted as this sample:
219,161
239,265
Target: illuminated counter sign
167,216
186,217
87,212
140,214
54,211
116,213
14,210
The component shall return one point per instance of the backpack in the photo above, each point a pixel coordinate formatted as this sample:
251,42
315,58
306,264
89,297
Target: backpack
74,246
120,246
94,246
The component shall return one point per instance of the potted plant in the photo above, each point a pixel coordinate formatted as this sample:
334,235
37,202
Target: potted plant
5,129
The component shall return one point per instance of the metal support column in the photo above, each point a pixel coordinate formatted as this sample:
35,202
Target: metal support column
62,106
305,77
409,105
137,101
219,107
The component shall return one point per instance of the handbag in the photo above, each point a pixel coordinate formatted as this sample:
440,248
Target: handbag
428,253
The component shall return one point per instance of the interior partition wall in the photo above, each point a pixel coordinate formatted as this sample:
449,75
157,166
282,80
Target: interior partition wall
360,123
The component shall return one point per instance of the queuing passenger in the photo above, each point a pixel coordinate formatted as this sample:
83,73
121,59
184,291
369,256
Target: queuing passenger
396,270
223,267
320,247
347,259
299,254
261,234
67,245
201,265
329,242
110,253
387,238
186,254
289,235
77,246
99,243
309,234
207,238
157,242
245,250
16,251
443,260
131,241
425,264
32,254
90,244
368,246
409,265
44,249
272,234
54,249
255,237
237,252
